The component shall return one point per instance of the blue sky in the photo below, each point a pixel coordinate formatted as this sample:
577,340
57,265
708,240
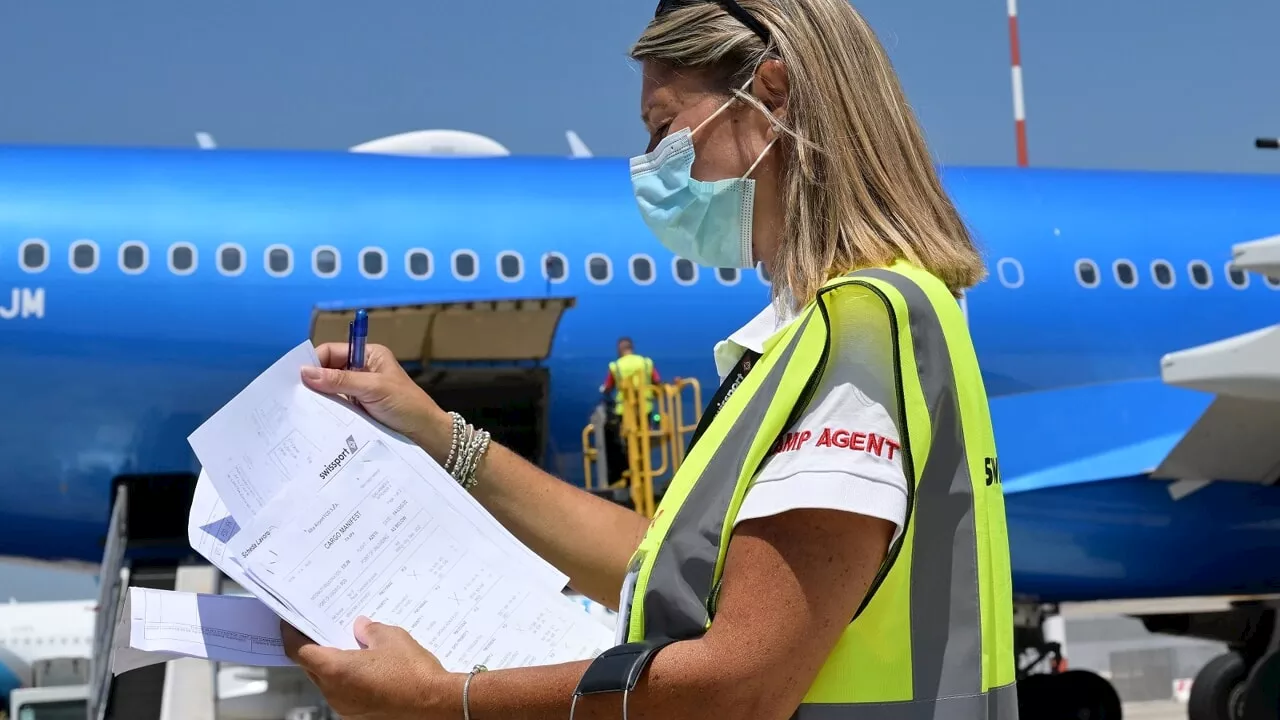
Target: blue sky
1137,84
1144,84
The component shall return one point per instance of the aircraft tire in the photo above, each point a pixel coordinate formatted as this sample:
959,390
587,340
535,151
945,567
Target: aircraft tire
1217,693
1093,696
1073,695
1036,696
1260,696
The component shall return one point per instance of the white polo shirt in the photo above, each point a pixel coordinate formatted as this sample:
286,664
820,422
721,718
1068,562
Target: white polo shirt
844,453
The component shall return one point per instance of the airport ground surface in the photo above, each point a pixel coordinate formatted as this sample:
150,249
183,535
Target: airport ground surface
1159,710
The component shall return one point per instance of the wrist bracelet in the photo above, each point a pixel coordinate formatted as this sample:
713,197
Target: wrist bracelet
466,691
469,479
466,449
459,425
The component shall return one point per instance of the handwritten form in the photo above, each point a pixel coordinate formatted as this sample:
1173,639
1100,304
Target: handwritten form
323,516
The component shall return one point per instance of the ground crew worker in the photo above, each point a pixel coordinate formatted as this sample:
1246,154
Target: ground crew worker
627,366
834,544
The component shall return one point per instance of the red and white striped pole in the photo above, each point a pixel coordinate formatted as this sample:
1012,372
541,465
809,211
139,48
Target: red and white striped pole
1019,107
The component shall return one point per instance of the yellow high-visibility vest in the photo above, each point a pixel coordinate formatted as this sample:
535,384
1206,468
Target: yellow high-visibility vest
622,369
934,636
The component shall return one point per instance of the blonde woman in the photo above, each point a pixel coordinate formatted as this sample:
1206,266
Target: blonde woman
834,545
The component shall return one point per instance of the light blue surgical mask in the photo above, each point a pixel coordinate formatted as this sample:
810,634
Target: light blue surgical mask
708,223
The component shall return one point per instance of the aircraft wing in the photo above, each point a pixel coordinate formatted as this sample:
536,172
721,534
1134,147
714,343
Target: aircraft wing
1234,439
1211,416
1092,433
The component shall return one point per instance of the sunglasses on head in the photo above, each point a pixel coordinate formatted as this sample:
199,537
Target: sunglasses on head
730,6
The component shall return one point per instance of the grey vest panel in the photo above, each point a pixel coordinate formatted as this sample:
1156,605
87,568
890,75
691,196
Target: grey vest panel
680,583
946,619
998,704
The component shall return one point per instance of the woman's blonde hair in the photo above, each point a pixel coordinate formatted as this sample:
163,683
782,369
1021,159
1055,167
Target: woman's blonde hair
860,186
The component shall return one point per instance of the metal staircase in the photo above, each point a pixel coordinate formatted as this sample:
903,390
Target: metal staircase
178,689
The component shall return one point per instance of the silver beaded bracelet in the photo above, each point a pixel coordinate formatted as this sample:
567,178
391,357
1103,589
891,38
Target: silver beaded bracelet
467,448
459,427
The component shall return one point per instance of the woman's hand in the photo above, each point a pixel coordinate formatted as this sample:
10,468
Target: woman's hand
385,391
393,678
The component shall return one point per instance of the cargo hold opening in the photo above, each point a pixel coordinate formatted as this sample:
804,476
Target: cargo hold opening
482,359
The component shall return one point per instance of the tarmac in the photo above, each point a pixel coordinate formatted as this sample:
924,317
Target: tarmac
1160,710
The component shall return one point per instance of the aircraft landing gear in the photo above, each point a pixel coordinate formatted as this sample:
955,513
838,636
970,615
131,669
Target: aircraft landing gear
1244,683
1046,689
1217,693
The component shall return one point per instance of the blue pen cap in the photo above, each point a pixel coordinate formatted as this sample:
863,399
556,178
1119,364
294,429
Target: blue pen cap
360,326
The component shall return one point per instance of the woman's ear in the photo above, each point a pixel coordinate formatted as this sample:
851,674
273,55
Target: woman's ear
773,87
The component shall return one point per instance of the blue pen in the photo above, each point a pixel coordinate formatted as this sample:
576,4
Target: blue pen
359,332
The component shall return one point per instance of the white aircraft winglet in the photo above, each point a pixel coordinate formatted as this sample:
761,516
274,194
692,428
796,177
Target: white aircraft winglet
578,148
206,141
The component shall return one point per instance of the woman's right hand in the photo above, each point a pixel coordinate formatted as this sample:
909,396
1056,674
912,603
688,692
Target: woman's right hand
385,391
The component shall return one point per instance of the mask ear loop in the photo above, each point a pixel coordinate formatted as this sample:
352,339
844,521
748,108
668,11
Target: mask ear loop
723,107
760,159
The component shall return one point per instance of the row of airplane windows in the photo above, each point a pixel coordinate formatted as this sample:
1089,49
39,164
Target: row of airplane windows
1163,274
326,262
419,264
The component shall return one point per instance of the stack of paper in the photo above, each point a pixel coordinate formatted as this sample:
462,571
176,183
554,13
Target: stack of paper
323,516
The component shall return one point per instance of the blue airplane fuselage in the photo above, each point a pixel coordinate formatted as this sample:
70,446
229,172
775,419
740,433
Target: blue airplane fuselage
110,365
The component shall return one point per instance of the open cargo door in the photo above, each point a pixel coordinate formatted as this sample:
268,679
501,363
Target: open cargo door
479,358
484,331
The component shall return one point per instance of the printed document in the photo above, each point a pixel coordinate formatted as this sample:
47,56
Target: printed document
277,429
372,541
324,515
163,625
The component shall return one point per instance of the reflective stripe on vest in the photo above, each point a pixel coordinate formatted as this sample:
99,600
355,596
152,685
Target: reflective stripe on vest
934,636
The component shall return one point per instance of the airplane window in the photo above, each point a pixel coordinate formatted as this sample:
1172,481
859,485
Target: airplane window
464,265
599,269
1201,275
642,269
1125,273
34,255
1087,273
279,261
763,274
84,256
727,276
373,263
685,272
1010,272
231,259
1162,274
555,268
133,258
1273,281
418,264
510,266
182,258
325,261
1238,278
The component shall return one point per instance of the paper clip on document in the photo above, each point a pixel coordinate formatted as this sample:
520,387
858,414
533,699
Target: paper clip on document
357,333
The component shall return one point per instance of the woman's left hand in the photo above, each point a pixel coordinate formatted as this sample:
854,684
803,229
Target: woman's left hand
393,678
